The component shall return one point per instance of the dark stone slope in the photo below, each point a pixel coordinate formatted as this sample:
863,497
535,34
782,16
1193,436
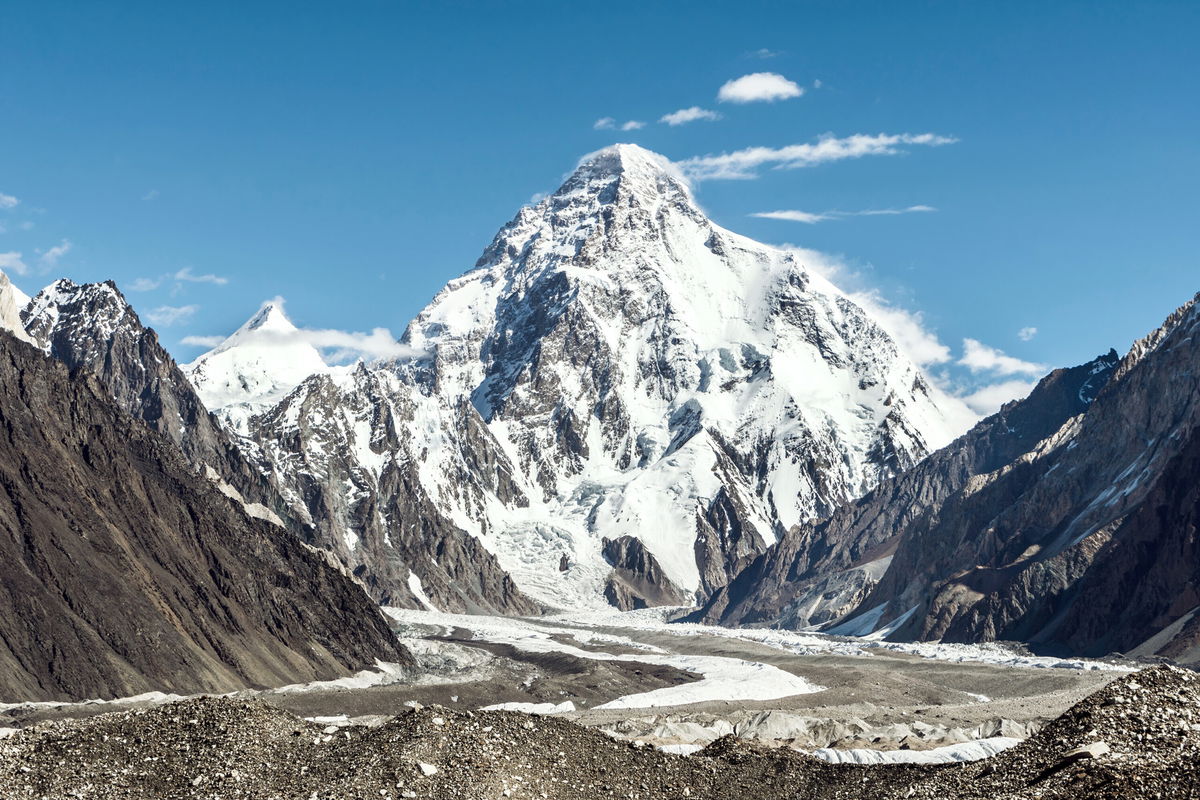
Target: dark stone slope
91,326
122,571
819,572
1068,521
1089,542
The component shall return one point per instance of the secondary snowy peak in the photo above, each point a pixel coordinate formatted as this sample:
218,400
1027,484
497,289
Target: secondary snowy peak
255,367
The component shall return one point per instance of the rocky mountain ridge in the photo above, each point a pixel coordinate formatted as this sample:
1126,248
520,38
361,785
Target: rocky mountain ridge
1075,532
616,365
123,571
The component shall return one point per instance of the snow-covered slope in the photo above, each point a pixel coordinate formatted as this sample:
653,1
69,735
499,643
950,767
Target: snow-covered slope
615,365
12,300
255,367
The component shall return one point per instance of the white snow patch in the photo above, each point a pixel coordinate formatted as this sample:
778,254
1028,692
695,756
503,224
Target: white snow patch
949,754
544,709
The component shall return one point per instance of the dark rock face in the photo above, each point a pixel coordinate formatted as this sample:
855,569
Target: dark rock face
818,573
379,519
1067,521
123,571
92,327
1086,543
637,580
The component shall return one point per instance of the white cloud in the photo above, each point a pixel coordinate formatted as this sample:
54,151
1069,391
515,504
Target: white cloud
978,357
8,201
379,343
1026,334
794,216
610,124
11,262
906,327
759,87
812,218
744,163
339,346
167,316
202,341
145,284
186,274
988,399
685,115
763,53
50,257
817,83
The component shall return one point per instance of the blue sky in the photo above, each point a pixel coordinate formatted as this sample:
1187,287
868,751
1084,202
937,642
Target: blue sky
352,157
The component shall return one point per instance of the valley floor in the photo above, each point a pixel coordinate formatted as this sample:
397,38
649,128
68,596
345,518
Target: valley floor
679,687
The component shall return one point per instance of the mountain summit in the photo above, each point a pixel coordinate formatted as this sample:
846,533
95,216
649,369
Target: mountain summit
622,400
255,366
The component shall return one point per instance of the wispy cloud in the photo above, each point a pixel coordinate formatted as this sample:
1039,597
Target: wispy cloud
337,345
1026,334
743,164
988,399
51,257
812,218
979,357
145,284
8,201
759,87
202,341
166,316
685,115
764,53
11,262
150,195
908,328
610,124
186,274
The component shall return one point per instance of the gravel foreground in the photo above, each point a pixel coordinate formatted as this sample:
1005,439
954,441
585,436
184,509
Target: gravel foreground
1140,738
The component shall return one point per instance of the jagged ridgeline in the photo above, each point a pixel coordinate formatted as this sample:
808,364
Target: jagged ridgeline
616,367
123,570
1068,521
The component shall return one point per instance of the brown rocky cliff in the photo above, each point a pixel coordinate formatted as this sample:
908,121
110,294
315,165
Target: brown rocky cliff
122,571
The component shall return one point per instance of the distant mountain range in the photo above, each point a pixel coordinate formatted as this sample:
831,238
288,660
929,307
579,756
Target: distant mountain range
625,404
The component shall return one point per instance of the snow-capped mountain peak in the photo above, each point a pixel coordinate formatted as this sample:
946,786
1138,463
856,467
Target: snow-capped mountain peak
622,401
255,367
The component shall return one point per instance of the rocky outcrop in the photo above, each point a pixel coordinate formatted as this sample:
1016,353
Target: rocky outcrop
637,580
1087,542
818,573
92,327
1068,521
123,571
